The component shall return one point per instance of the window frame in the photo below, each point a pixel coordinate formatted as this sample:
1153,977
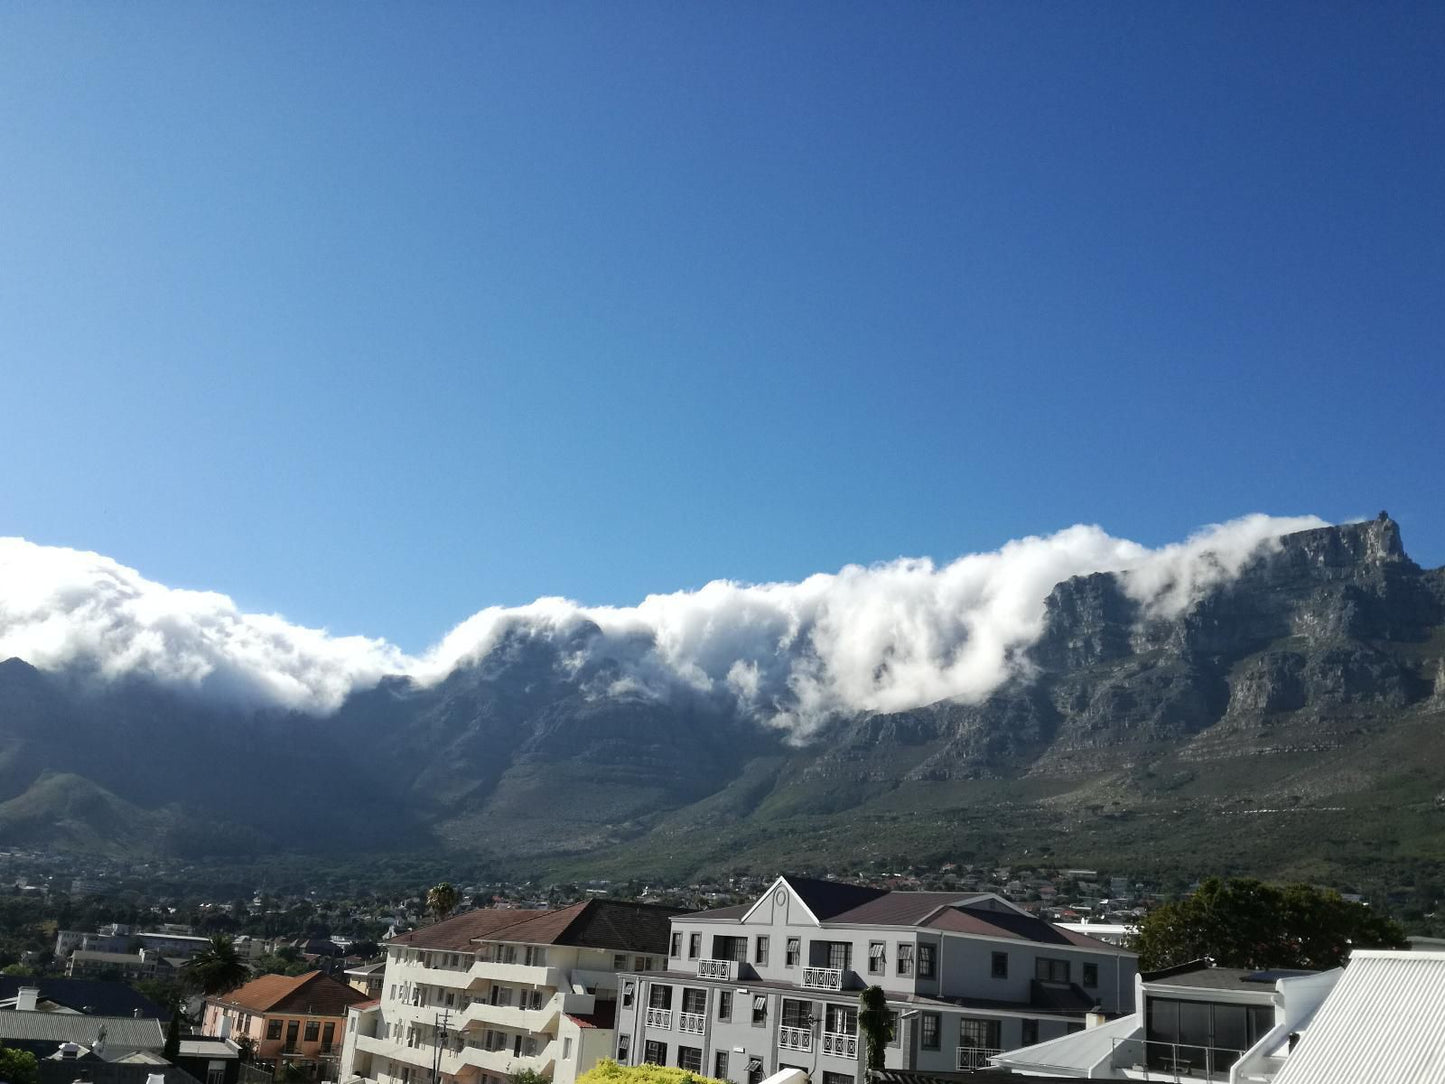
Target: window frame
725,1005
930,1024
927,960
877,958
793,951
1090,976
903,961
654,1052
998,965
760,1010
1047,969
761,947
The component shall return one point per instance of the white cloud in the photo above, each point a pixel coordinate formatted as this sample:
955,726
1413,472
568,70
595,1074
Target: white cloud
883,638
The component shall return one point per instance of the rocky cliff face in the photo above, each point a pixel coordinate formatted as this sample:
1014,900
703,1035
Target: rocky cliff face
1318,670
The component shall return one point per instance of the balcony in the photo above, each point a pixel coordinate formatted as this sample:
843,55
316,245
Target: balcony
725,970
975,1057
840,1044
795,1038
823,978
659,1018
692,1022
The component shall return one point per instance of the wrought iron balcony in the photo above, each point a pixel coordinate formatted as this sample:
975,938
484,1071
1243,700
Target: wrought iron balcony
795,1038
975,1057
693,1022
840,1044
823,978
659,1018
726,970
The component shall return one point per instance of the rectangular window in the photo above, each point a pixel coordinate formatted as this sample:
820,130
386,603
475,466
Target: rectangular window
659,996
877,961
795,1013
760,957
628,988
1030,1033
760,1011
293,1028
624,1042
730,948
837,1078
1091,974
835,954
1000,965
725,1005
1047,970
567,1048
694,946
215,1072
755,1070
895,1022
925,961
619,961
313,1031
654,1053
642,963
979,1033
676,952
694,1000
794,951
273,1029
690,1058
328,1033
841,1020
720,1065
506,954
905,959
928,1031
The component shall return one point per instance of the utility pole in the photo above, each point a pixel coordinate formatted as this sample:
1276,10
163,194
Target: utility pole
441,1023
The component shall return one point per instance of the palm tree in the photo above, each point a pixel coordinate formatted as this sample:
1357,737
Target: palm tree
218,967
876,1023
441,899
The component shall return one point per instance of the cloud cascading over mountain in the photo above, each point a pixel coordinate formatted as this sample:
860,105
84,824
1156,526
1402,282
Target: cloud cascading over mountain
887,637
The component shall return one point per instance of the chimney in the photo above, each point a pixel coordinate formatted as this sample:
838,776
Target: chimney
26,997
1095,1018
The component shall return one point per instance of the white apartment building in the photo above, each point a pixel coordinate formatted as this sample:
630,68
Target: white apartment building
755,989
489,993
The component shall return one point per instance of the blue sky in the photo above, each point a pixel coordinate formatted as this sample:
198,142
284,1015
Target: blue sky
377,314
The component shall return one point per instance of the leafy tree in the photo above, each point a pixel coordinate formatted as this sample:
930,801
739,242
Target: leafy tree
218,967
876,1024
1246,923
441,900
528,1076
19,1066
172,1048
608,1071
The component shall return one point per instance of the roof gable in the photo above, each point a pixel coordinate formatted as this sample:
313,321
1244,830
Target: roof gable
314,994
820,900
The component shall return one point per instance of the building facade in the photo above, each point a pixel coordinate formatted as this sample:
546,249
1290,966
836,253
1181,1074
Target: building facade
754,989
489,993
286,1021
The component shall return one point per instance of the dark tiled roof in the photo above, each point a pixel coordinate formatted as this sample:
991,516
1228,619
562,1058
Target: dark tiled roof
827,899
90,996
611,924
1226,978
990,923
900,908
606,924
459,931
737,910
312,994
605,1017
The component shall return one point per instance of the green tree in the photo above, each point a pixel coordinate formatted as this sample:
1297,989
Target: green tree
172,1048
876,1024
218,967
19,1066
1247,923
441,900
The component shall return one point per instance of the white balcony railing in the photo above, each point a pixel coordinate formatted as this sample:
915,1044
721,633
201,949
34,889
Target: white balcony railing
795,1038
975,1057
693,1022
823,978
840,1044
726,970
659,1018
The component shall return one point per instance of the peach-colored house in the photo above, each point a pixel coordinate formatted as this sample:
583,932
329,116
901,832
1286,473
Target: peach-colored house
296,1019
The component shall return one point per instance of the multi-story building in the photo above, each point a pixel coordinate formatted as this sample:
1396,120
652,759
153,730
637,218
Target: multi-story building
754,989
489,993
293,1021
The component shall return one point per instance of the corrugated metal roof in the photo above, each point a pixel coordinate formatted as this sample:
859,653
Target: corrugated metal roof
66,1027
1384,1020
1073,1054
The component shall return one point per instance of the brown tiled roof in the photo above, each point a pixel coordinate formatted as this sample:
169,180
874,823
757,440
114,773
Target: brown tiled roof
608,924
312,994
900,908
459,931
988,923
737,910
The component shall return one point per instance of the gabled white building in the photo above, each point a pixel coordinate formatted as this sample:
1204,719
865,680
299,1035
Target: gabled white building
751,990
489,993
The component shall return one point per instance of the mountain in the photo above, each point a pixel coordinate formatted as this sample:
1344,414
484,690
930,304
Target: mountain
1287,719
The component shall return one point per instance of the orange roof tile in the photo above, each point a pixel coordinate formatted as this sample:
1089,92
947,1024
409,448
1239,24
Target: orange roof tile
313,994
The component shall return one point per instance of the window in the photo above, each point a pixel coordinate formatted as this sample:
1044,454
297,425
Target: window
794,951
694,1001
628,989
659,996
694,946
928,1031
567,1048
293,1028
760,956
273,1029
877,962
925,961
619,961
642,963
979,1033
536,1000
755,1070
725,1005
1091,974
835,954
895,1022
690,1058
730,948
1000,965
313,1030
506,954
795,1013
1047,970
720,1065
215,1072
676,946
328,1034
760,1010
623,1043
837,1078
654,1053
1030,1034
841,1020
536,956
905,959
